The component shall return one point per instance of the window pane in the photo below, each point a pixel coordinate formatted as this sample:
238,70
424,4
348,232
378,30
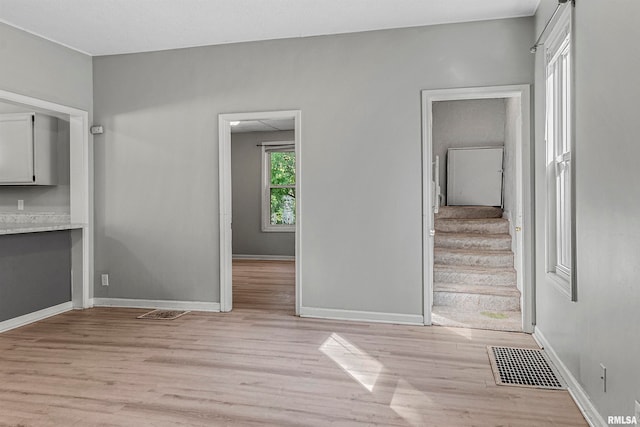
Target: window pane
564,218
283,206
566,99
550,116
283,168
558,121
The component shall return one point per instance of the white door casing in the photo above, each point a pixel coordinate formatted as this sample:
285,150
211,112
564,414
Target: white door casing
81,194
225,211
523,218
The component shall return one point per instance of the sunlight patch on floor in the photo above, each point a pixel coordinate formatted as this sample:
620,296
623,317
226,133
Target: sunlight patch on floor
438,319
411,404
463,332
357,363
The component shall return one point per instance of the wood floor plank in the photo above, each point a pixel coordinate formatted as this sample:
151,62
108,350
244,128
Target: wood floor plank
260,365
264,285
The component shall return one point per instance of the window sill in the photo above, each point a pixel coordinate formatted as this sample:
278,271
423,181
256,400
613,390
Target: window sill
279,229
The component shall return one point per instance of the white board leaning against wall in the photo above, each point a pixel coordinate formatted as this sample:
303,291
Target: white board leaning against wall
474,176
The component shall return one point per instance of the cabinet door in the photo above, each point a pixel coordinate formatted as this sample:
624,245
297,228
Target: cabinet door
16,148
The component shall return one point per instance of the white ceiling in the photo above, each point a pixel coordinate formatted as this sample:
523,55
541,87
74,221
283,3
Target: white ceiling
263,126
104,27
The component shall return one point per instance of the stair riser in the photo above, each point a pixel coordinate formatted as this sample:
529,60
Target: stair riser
484,260
502,278
469,212
444,241
453,226
464,301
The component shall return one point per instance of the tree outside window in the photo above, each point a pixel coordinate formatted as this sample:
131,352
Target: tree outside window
279,187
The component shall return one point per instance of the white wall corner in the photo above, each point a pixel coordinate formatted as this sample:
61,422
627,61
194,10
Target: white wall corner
362,316
576,391
157,304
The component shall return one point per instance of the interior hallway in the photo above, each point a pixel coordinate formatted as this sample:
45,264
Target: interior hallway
264,285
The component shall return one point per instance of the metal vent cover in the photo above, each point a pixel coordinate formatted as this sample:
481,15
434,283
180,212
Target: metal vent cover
523,367
163,314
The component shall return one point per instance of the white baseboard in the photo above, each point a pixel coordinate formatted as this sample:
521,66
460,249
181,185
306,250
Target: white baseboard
265,257
578,394
362,316
163,304
16,322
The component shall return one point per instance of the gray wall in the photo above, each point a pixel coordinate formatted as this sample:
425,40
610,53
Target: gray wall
603,326
41,69
35,272
466,123
156,166
41,198
246,182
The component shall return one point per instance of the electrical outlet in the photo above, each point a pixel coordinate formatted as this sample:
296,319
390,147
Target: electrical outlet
603,377
637,411
105,279
20,205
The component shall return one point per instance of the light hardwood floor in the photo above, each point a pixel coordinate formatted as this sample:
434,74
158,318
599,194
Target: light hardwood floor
264,285
256,367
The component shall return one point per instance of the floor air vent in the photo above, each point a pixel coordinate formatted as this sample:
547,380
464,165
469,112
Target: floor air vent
523,367
163,314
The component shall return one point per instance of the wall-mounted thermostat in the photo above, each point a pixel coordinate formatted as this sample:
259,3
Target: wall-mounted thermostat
97,130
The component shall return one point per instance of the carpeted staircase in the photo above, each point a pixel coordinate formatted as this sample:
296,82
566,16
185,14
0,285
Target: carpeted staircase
474,278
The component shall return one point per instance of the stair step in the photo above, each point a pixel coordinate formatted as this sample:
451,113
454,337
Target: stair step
504,276
474,297
470,288
469,212
497,320
473,241
484,225
473,257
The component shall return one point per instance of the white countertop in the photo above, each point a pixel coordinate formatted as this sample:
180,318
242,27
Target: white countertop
17,228
35,222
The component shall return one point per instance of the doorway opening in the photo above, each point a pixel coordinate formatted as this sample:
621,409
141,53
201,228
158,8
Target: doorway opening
72,196
259,211
476,211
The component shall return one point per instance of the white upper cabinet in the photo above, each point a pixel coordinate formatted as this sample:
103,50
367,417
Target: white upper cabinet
28,149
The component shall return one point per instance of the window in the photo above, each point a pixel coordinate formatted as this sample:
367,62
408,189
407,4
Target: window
558,119
278,186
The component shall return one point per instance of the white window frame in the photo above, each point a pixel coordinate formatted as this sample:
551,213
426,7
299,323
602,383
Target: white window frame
267,148
560,158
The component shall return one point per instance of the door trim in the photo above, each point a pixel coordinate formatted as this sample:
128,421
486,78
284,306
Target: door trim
524,202
80,188
226,253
